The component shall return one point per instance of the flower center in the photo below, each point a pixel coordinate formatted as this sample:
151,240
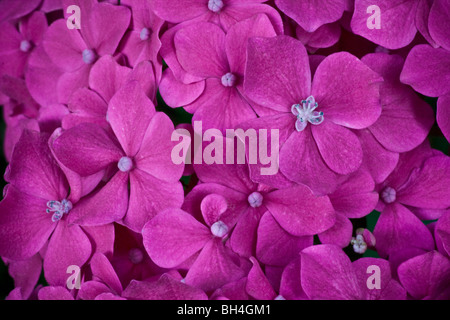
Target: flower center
145,34
305,113
215,5
125,164
228,79
388,195
136,256
255,199
58,208
25,45
219,229
359,245
279,297
89,56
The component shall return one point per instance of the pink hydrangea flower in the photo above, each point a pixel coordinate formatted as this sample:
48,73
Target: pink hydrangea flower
74,51
313,118
137,152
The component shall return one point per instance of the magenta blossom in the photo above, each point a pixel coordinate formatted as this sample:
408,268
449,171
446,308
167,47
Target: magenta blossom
298,211
400,20
426,70
327,273
137,152
39,190
410,194
404,123
105,79
314,118
426,276
75,50
175,237
142,43
218,68
16,45
224,13
311,15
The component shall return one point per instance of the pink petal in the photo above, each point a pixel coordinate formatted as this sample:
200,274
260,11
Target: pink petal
69,82
290,285
339,234
273,78
426,191
310,14
283,125
426,276
423,70
64,46
243,237
236,11
68,246
173,236
443,231
34,171
79,186
98,209
101,237
169,54
237,37
148,196
104,271
154,156
257,284
390,289
91,289
300,161
177,94
299,212
200,49
355,197
347,91
406,119
98,31
374,154
11,9
438,22
85,106
443,115
221,107
213,268
237,201
339,147
422,20
26,274
86,149
34,27
397,228
166,288
275,246
129,114
325,36
397,22
327,273
175,11
41,77
107,76
54,293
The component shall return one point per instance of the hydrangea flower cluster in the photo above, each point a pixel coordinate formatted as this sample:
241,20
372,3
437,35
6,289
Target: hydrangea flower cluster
355,93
